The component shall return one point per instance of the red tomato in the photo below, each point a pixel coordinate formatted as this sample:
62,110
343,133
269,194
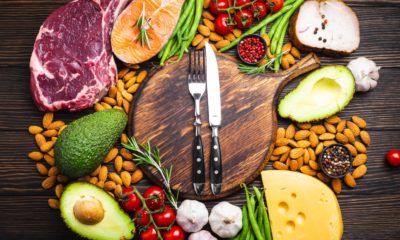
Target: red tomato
222,24
393,158
142,217
259,10
130,202
149,234
274,5
215,8
242,2
155,197
165,218
243,19
175,233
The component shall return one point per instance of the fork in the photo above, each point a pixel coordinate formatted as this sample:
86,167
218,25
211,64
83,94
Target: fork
197,87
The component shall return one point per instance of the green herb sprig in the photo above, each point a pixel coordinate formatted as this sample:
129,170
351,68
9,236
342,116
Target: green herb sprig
255,69
143,25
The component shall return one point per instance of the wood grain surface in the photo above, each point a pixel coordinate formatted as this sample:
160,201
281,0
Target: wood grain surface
163,113
371,211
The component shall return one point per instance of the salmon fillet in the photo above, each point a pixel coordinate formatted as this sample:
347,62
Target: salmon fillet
162,16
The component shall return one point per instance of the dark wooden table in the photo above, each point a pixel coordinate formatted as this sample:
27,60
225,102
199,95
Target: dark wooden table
370,211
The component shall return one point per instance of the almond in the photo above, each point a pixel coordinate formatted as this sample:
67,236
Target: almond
327,136
127,96
354,128
280,133
349,180
340,137
230,37
137,176
237,33
112,93
321,176
49,182
295,53
360,147
111,155
125,105
123,72
59,190
103,173
274,158
126,178
96,171
282,142
131,83
141,76
129,75
50,133
284,156
100,184
303,143
34,129
359,171
360,159
313,139
293,143
333,119
341,125
98,107
307,170
222,43
203,30
293,165
209,24
290,131
51,152
361,123
109,185
93,180
56,125
42,169
124,138
115,178
269,54
306,157
47,119
119,98
35,156
302,134
215,37
53,171
126,154
288,162
337,185
53,203
280,166
318,129
296,153
287,47
314,165
300,161
352,149
280,150
312,154
110,101
349,134
319,148
329,142
39,139
45,147
207,14
329,127
304,126
62,179
285,63
49,159
364,135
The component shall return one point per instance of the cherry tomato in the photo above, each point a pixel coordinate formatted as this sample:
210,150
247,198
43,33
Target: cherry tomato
222,24
149,234
142,217
165,218
243,19
155,197
393,158
175,233
242,2
215,8
259,10
130,202
274,5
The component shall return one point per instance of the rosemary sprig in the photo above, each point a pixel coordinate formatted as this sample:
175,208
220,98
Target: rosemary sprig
255,69
145,155
143,25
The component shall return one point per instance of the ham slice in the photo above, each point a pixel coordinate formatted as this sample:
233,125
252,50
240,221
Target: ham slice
162,16
329,26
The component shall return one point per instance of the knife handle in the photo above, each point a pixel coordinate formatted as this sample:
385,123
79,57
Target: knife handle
198,175
216,162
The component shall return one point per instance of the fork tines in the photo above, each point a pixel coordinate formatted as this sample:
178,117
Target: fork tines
197,65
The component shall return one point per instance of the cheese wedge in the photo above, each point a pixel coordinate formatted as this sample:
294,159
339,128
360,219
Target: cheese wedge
301,207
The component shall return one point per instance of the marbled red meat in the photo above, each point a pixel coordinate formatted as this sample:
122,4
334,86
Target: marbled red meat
72,65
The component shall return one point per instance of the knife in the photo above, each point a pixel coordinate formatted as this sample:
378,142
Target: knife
214,118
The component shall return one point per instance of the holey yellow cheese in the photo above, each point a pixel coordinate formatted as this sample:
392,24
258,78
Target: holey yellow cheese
301,207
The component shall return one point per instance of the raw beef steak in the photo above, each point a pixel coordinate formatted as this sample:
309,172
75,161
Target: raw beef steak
72,65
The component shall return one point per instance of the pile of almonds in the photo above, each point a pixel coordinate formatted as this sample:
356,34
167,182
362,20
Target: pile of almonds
297,147
119,159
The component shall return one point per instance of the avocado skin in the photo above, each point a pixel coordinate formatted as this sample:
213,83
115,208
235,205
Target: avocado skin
83,145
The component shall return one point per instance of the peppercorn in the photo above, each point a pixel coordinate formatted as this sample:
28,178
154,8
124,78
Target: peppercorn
251,49
335,160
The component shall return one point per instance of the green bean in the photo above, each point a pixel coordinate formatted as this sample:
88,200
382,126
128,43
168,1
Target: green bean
274,27
278,56
197,18
253,220
260,218
263,30
257,27
264,215
188,18
283,22
187,9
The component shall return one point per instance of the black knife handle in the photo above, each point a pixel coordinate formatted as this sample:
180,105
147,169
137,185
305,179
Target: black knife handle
198,161
215,162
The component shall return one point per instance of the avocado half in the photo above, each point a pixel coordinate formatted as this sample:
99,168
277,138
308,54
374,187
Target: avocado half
94,214
321,94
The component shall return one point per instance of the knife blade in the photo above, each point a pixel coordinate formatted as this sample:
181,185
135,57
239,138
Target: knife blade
214,118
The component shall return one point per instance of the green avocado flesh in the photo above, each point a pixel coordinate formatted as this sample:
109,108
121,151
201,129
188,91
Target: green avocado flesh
82,146
321,94
115,224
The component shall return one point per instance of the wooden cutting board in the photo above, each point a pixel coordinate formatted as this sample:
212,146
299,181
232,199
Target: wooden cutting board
163,113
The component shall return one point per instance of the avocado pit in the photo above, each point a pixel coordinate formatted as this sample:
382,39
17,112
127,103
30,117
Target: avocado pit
88,210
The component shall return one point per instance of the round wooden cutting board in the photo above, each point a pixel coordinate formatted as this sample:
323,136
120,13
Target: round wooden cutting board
163,113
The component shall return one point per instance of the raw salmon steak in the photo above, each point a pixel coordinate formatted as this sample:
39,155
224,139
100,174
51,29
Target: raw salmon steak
161,16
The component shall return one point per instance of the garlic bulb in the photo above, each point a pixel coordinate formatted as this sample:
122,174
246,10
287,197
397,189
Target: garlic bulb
202,235
192,215
226,219
365,72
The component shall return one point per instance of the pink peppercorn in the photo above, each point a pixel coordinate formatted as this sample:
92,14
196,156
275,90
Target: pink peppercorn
251,49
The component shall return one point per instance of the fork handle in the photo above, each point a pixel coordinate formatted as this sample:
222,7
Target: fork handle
198,165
